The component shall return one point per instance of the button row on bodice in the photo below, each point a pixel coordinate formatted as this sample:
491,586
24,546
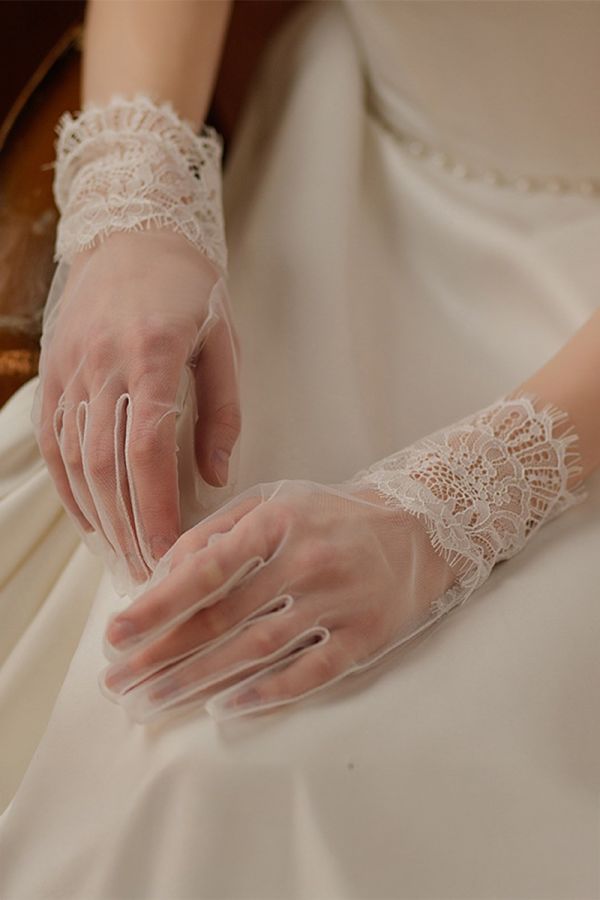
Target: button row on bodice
419,149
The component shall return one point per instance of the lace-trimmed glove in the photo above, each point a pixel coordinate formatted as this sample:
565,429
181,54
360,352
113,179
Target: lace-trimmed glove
292,586
137,403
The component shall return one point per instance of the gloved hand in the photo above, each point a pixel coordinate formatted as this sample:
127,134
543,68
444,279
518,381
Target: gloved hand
294,585
139,362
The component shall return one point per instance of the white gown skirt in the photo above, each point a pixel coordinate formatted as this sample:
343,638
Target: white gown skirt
377,299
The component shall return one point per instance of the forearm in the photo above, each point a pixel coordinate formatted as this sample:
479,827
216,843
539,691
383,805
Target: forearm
169,49
571,381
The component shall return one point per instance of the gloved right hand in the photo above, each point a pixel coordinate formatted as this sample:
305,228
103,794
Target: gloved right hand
143,320
137,407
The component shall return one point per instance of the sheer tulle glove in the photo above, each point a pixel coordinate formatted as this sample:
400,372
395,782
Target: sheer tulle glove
138,368
293,585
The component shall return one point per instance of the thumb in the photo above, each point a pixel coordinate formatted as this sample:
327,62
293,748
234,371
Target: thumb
219,415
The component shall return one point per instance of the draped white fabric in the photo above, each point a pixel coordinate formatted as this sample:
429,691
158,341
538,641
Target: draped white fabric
377,298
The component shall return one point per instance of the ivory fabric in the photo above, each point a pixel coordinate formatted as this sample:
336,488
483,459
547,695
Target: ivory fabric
377,298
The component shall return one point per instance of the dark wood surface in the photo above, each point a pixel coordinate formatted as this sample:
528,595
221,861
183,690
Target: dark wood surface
29,29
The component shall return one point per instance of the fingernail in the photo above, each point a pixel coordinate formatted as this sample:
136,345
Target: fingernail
220,463
159,546
166,689
121,630
244,698
116,679
136,567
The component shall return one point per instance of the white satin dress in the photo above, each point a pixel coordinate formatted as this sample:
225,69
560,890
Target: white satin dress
379,294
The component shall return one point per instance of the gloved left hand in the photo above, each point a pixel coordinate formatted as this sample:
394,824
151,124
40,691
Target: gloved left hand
330,574
293,585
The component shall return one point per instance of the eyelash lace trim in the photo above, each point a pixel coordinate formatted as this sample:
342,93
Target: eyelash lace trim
133,164
483,486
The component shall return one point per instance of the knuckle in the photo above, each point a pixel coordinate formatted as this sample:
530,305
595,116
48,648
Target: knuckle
280,519
101,352
47,443
71,456
266,640
101,465
371,619
316,555
214,622
184,547
157,612
157,350
155,338
144,446
323,666
229,417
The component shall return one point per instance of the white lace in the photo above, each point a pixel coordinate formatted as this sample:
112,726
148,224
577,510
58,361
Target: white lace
132,164
484,485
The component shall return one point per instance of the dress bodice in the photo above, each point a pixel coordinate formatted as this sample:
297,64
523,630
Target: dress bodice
507,84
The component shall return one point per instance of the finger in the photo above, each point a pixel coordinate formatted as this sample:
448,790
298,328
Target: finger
102,425
313,668
151,461
75,468
49,427
121,677
71,452
73,440
125,516
257,646
201,579
203,535
261,591
214,526
217,389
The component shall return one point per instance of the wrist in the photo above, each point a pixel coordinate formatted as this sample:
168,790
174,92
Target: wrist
571,381
132,165
484,485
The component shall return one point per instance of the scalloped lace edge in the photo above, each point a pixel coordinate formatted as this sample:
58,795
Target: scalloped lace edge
481,496
133,164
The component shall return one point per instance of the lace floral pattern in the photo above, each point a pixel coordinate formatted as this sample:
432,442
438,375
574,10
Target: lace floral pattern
132,164
484,485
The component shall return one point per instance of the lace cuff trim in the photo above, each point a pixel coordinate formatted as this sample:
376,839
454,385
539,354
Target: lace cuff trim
484,485
133,164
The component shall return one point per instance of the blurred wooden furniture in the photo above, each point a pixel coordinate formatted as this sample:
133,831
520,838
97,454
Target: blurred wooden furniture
27,212
28,215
